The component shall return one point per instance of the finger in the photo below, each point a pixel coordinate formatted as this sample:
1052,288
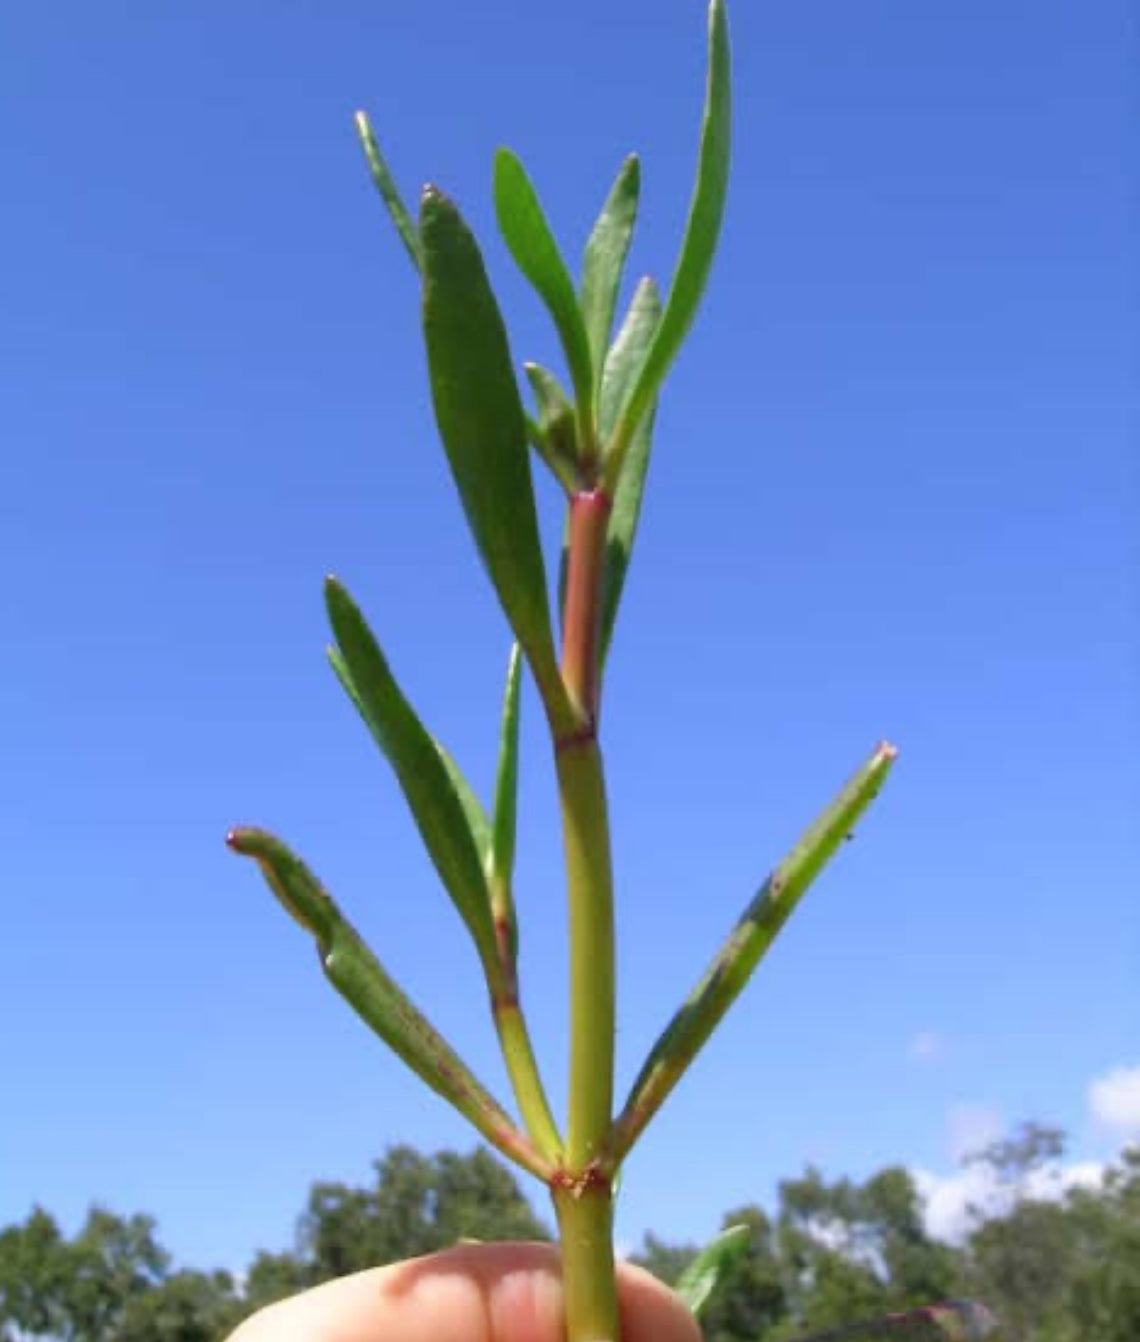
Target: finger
474,1293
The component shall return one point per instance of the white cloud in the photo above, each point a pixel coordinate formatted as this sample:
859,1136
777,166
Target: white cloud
954,1202
1115,1099
950,1198
970,1128
925,1046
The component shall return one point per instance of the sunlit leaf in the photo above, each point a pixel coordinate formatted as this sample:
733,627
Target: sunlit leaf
389,192
483,428
531,243
360,978
477,821
555,437
605,256
625,359
424,777
507,774
700,1279
754,933
706,210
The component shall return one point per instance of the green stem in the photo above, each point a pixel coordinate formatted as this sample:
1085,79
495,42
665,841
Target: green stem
518,1054
590,885
586,838
585,1227
582,1197
530,1094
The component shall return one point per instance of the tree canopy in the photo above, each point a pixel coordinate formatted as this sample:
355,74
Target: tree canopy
1054,1266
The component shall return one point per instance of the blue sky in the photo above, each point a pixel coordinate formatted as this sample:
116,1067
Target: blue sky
892,496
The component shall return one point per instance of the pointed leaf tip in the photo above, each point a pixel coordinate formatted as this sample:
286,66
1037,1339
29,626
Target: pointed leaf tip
385,184
531,243
702,231
605,255
361,980
702,1278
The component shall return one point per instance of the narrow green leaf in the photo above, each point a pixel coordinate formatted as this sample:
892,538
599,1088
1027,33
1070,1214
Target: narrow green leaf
360,978
706,210
531,243
605,256
507,775
476,816
624,361
700,1279
550,445
555,438
733,964
954,1321
483,428
389,193
553,403
422,773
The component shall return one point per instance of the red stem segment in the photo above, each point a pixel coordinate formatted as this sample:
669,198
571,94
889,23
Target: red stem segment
589,518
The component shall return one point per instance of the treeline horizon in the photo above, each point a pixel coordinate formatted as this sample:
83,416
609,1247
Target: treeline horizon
1058,1268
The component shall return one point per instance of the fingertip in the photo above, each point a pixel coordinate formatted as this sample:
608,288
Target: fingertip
650,1311
471,1293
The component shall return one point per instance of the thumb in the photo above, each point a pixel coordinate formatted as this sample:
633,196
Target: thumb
473,1293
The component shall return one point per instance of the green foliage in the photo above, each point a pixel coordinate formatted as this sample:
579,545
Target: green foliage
749,940
837,1252
35,1269
389,193
78,1290
185,1307
622,365
597,445
605,256
751,1298
481,423
275,1276
702,233
507,773
708,1270
416,1205
427,781
531,243
362,981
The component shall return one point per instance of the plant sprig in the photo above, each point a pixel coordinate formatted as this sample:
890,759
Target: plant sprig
596,440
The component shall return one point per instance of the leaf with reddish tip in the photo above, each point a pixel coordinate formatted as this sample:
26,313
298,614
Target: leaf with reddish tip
706,211
389,192
531,243
954,1321
483,428
362,981
734,963
423,775
700,1280
605,256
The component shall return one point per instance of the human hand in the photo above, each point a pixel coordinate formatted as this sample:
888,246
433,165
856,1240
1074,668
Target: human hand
473,1293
